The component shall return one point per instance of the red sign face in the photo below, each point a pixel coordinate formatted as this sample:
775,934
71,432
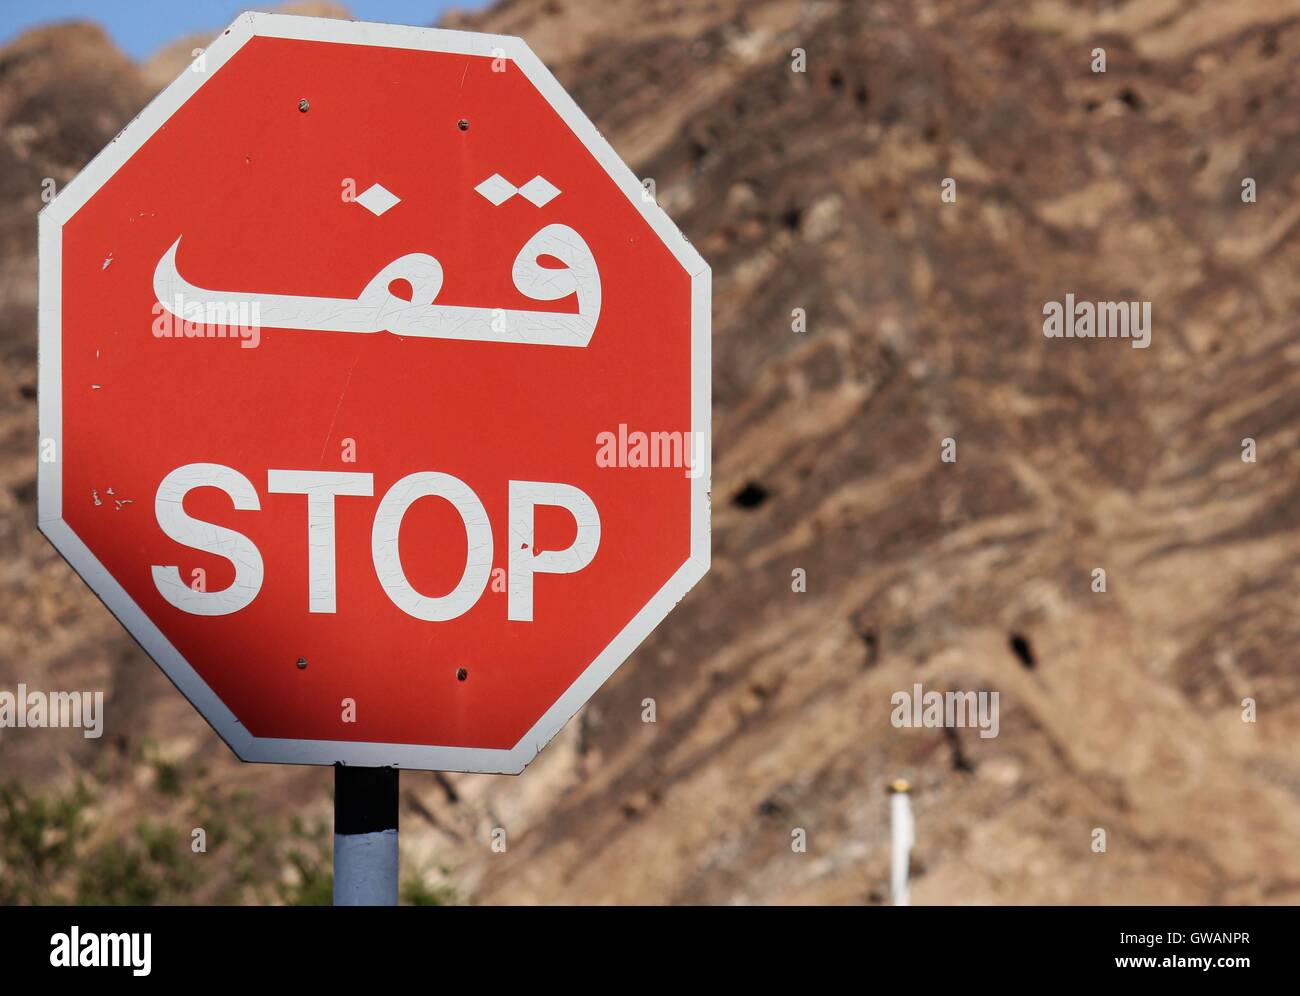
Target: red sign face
374,395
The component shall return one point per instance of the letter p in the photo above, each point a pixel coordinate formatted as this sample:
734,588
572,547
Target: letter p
525,496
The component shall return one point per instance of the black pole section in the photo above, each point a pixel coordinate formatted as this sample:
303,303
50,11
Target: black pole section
365,836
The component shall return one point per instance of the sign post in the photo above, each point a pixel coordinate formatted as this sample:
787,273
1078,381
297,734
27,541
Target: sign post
374,402
365,836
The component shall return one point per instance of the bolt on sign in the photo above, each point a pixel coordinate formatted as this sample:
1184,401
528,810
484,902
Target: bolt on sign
335,340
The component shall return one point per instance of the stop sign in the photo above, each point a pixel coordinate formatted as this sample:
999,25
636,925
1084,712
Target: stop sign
374,395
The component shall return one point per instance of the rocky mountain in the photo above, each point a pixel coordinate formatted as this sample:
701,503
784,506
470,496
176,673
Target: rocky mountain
948,479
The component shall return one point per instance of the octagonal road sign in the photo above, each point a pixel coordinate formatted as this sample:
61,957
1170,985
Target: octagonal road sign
374,395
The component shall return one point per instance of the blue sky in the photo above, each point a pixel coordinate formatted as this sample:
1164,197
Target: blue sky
140,27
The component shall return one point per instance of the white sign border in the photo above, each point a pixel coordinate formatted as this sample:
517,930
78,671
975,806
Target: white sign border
50,400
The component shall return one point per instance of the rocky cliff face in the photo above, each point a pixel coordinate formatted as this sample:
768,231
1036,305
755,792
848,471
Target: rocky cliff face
824,191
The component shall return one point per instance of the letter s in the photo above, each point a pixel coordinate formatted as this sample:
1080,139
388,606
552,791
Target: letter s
198,535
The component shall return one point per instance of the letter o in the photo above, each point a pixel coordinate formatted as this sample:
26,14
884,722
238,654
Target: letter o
388,562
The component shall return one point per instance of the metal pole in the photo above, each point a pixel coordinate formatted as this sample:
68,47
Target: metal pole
902,838
365,836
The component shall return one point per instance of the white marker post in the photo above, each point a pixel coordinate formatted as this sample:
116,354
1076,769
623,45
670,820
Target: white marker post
902,837
365,836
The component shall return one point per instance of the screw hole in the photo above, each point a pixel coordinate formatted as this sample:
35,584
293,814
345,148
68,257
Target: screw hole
461,674
463,124
302,663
